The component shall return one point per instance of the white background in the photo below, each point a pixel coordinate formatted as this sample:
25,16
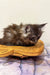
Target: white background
26,11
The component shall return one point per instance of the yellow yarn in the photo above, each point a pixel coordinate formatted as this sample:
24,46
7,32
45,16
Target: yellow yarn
22,51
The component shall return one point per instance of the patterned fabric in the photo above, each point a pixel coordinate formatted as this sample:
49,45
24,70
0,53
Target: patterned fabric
29,66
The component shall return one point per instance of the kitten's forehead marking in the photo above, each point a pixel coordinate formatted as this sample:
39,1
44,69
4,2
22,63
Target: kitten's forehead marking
23,31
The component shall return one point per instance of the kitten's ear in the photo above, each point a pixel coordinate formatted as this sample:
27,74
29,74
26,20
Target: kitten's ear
42,25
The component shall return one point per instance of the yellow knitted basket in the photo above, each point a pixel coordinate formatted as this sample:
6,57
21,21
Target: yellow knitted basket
22,51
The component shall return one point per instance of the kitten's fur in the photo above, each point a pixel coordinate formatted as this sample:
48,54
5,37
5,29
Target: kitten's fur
22,35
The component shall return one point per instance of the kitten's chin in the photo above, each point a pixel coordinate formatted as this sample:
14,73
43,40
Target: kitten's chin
33,42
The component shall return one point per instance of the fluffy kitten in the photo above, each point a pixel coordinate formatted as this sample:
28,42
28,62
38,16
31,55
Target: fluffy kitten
22,35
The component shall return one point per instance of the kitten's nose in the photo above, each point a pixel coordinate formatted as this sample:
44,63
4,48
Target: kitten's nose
32,37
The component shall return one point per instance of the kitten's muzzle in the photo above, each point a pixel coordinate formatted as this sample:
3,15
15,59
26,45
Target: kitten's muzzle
33,39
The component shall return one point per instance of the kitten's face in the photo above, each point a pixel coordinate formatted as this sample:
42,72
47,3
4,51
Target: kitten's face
31,32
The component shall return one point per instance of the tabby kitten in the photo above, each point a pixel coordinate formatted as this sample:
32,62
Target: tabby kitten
22,35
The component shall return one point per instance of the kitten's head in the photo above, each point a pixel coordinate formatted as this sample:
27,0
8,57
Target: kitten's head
32,32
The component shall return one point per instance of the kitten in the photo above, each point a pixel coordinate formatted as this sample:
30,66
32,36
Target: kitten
22,35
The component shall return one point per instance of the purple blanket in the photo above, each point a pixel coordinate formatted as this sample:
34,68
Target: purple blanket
31,66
